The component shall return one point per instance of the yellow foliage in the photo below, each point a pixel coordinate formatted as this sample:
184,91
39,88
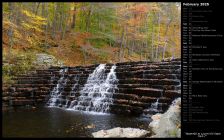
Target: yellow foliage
39,22
30,27
7,24
35,23
31,15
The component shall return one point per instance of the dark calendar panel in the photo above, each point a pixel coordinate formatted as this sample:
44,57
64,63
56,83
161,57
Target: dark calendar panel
202,67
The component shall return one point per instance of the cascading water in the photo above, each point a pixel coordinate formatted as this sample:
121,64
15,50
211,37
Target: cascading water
108,88
73,92
75,86
55,95
97,93
155,106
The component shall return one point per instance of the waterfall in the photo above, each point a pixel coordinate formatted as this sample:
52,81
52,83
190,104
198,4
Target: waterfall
155,105
73,92
97,93
55,95
75,86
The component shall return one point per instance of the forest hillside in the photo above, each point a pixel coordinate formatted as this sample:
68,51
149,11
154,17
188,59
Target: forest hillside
88,33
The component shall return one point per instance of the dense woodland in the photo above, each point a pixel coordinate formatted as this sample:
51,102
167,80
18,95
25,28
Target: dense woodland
89,33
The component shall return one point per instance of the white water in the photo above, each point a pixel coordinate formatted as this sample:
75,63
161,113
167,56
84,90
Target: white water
74,88
153,109
57,90
73,91
154,106
96,95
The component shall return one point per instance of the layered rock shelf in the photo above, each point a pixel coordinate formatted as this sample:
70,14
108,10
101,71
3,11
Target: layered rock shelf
140,84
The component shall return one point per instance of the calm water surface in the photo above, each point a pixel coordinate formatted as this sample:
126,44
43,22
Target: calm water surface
56,122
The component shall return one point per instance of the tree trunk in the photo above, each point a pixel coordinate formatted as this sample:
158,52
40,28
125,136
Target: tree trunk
174,46
54,24
18,16
132,47
65,28
73,18
88,18
46,27
157,46
164,48
38,4
124,47
152,51
120,51
43,9
61,24
10,31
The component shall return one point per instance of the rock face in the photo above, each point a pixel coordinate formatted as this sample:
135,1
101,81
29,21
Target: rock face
45,60
140,84
121,133
168,124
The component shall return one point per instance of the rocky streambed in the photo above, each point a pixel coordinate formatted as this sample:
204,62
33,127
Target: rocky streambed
166,125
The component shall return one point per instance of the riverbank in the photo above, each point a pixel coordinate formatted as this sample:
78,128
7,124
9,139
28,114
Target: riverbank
166,125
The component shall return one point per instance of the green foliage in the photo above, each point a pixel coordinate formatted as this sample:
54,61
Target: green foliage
98,43
5,7
18,64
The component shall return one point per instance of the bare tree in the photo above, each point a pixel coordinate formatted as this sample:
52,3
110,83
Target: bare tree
73,17
158,36
88,17
10,31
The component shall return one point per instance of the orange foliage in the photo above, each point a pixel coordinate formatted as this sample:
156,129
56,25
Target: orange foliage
80,38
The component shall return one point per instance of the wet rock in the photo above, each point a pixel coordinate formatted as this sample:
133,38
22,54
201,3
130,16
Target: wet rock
165,100
121,101
140,84
44,88
90,126
147,99
151,91
22,102
39,100
121,133
5,98
137,103
125,96
167,124
125,109
172,94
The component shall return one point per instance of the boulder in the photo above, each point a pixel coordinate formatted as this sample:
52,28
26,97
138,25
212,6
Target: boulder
121,133
46,60
168,124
